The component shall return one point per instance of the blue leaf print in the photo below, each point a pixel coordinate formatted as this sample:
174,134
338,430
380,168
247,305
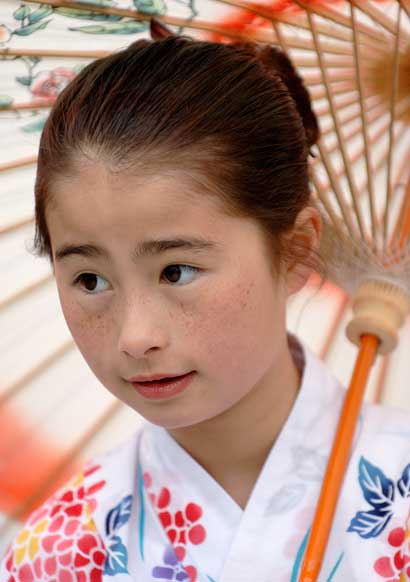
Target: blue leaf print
377,489
117,557
369,524
118,516
404,483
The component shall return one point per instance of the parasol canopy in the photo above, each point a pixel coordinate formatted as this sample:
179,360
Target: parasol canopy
354,57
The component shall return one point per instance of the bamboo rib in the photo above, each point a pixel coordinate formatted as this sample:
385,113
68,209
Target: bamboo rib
333,186
299,21
15,226
28,161
344,102
258,10
51,53
314,78
253,33
376,112
61,467
352,186
405,4
379,134
378,164
35,104
391,136
360,87
14,388
321,194
375,14
326,189
332,332
341,88
384,367
340,61
25,291
402,228
329,13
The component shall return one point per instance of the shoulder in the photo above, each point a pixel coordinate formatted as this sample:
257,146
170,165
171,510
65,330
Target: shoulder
62,537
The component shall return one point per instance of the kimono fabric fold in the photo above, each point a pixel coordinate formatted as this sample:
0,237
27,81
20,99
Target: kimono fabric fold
148,512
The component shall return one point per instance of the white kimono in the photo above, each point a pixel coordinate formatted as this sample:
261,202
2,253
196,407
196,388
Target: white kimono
148,512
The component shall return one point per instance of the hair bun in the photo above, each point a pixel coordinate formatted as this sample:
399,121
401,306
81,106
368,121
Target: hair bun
276,61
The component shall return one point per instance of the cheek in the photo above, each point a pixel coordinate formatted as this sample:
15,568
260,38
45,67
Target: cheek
89,331
235,324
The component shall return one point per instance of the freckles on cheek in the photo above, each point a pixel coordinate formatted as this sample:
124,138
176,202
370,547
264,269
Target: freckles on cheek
84,327
225,321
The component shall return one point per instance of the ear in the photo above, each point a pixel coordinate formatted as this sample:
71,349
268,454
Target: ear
304,238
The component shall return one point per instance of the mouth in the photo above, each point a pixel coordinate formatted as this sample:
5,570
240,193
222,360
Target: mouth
164,387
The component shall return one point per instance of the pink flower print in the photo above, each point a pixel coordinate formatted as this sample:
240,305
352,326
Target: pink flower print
5,34
60,538
49,84
390,567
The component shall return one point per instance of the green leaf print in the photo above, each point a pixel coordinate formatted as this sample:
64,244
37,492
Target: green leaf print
151,6
25,81
39,14
126,27
34,126
5,100
27,30
21,12
82,14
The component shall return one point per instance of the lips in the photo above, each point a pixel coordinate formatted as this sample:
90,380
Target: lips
163,388
154,377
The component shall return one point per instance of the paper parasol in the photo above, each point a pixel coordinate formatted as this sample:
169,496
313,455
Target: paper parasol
354,57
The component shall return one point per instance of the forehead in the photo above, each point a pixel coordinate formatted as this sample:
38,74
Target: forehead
94,198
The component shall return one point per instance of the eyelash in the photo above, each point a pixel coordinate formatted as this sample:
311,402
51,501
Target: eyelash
80,277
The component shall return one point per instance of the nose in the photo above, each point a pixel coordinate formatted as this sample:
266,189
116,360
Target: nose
142,328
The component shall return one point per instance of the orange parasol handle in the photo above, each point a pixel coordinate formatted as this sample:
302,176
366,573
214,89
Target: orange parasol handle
338,460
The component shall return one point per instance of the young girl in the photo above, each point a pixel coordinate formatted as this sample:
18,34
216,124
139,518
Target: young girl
172,200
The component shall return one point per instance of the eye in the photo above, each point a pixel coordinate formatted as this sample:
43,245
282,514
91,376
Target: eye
174,273
89,283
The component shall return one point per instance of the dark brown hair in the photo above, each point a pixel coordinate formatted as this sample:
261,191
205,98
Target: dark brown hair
236,118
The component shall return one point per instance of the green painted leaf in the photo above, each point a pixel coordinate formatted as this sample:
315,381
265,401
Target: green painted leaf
23,80
81,14
151,6
34,60
21,12
101,3
125,27
5,100
34,126
27,30
40,13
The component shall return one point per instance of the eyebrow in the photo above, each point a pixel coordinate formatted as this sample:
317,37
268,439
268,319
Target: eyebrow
145,249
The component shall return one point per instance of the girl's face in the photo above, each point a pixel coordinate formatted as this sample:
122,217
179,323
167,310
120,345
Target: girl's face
216,309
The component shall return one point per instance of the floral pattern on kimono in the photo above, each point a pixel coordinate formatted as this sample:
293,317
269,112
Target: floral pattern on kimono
146,511
60,537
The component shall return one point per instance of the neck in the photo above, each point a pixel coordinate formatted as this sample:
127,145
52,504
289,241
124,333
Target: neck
233,446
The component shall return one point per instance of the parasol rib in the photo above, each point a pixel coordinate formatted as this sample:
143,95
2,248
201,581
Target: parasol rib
391,129
16,387
25,291
364,123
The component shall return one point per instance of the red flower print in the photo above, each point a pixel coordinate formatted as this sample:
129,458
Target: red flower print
59,542
181,526
50,83
390,567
